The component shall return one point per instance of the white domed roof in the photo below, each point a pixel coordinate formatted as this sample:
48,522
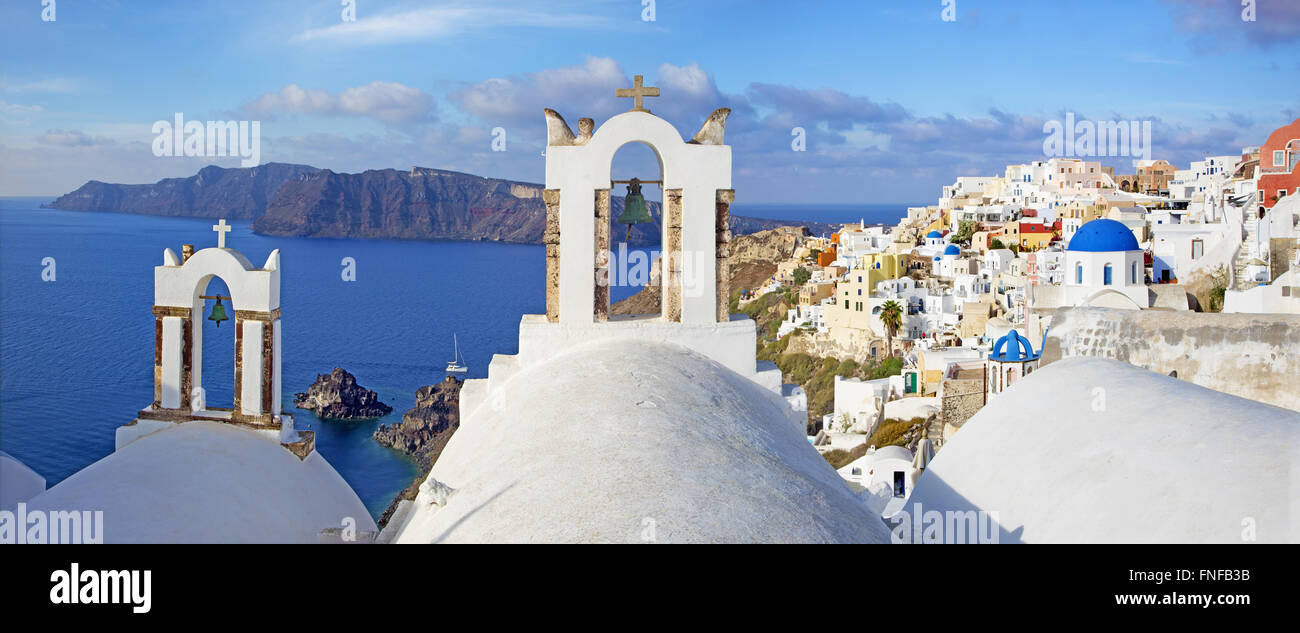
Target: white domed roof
1099,451
209,482
623,441
18,483
893,452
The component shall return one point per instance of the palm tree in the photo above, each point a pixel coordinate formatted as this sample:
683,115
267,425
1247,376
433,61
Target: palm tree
891,315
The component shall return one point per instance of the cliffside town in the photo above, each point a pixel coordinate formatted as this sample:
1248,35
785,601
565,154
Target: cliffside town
899,334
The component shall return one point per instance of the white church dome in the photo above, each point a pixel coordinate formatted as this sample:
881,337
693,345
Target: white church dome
624,441
209,482
1099,451
18,483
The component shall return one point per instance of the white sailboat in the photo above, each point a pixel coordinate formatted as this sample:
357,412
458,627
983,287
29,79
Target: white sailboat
455,366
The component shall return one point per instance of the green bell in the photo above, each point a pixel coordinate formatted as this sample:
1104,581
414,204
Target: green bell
218,313
634,210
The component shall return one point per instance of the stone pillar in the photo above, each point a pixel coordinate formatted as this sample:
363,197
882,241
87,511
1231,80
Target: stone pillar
173,357
601,277
722,263
551,238
257,370
157,361
671,271
187,361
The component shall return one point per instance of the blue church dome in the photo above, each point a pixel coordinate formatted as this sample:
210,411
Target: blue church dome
952,250
1012,348
934,235
1103,235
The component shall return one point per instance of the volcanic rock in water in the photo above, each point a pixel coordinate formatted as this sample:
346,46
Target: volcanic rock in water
423,433
337,396
427,426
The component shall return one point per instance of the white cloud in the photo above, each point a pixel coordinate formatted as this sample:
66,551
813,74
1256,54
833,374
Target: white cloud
574,91
441,22
60,85
389,102
72,138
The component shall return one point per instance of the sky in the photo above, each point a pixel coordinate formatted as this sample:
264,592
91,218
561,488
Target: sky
893,98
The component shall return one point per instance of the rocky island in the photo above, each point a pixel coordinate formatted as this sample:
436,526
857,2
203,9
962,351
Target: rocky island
337,396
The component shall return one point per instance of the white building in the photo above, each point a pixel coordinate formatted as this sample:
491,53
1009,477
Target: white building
1177,249
858,403
1104,266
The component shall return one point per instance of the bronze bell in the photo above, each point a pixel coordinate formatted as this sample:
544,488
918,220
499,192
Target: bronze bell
218,313
634,209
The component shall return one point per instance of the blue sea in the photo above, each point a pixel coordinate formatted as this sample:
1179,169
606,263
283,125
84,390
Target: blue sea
871,213
76,353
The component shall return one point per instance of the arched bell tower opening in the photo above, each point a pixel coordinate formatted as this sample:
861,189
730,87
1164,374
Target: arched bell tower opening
214,345
637,256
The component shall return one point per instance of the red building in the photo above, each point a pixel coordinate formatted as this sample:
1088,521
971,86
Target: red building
1278,161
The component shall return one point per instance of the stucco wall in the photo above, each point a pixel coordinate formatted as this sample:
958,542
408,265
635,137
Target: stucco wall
1254,356
962,399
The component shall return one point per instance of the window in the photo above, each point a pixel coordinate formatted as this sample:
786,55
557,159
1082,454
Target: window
1198,248
1133,274
1078,273
900,486
1279,158
1106,275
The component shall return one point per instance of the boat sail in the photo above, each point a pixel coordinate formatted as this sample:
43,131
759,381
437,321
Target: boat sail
455,366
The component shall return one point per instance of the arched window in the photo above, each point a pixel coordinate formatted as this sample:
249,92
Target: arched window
1106,275
1078,274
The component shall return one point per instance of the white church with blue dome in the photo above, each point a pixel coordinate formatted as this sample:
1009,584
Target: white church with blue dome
1012,358
1105,267
943,264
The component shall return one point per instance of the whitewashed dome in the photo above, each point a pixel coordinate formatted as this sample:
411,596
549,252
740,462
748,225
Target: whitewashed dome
209,482
18,483
623,441
1094,450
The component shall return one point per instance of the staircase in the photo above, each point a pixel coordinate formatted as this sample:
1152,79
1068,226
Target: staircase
1250,239
1245,253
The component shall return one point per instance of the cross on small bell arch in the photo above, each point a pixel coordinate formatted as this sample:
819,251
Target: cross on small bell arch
634,209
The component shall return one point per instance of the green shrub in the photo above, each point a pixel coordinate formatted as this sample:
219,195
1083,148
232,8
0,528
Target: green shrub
891,432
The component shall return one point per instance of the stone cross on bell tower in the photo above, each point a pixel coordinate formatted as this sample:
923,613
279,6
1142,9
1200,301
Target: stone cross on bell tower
636,92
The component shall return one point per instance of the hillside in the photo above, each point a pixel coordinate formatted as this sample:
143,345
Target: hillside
303,201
